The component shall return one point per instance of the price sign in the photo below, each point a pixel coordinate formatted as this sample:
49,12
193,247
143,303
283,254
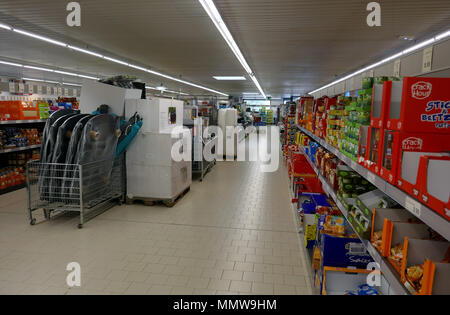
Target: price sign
21,87
66,92
60,92
39,89
397,66
413,206
427,59
49,90
12,87
30,88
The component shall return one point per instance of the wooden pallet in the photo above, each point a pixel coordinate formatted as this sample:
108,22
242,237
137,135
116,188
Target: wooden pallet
152,201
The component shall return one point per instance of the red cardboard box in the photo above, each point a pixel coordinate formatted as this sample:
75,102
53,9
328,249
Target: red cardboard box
362,146
381,96
419,105
374,150
433,183
401,155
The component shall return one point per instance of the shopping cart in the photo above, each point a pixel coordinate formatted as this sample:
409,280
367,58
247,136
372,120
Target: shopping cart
89,189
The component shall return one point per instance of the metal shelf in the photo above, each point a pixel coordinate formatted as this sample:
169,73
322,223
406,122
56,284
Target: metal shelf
12,122
386,269
20,149
427,215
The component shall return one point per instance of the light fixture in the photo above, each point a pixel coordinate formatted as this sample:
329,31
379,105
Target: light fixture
116,61
6,27
404,52
39,68
11,63
66,73
85,51
161,88
214,15
230,78
46,39
443,35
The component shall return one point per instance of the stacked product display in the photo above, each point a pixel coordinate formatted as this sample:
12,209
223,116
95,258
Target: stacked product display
399,134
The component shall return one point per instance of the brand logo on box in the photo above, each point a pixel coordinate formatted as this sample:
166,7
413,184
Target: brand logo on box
421,90
412,143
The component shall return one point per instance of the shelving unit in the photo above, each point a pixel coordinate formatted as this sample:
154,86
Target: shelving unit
30,147
386,270
17,122
427,215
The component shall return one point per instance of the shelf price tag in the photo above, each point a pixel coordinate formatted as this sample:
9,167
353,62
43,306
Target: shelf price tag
21,88
397,66
371,177
427,59
413,206
12,87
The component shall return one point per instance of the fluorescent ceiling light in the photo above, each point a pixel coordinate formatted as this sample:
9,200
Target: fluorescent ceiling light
11,63
229,78
420,45
116,61
67,73
30,79
6,27
46,39
71,84
85,51
108,58
214,15
39,68
443,35
404,52
87,77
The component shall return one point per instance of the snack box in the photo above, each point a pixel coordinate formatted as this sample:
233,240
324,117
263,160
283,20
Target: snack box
374,148
433,183
362,144
419,104
310,228
313,201
381,96
401,155
18,110
374,199
343,252
381,231
337,281
360,222
425,268
394,241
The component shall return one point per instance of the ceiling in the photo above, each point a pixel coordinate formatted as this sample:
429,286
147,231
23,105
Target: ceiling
293,46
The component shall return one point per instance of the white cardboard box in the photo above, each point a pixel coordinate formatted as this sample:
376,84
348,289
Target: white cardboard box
156,113
94,94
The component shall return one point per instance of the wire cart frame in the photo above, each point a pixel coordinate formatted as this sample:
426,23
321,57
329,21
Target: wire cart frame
89,189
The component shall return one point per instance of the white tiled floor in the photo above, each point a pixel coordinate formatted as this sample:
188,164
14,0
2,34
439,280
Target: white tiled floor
233,233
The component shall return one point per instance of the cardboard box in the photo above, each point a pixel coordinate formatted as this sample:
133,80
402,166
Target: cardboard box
396,233
419,104
381,96
430,255
379,218
396,160
343,252
433,183
374,150
363,144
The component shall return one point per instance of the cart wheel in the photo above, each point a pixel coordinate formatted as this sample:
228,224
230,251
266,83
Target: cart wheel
33,222
80,226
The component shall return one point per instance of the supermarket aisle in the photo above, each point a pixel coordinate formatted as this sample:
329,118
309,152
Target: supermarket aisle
234,233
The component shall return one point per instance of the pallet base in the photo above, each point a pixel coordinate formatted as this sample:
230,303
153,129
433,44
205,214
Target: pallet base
152,201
